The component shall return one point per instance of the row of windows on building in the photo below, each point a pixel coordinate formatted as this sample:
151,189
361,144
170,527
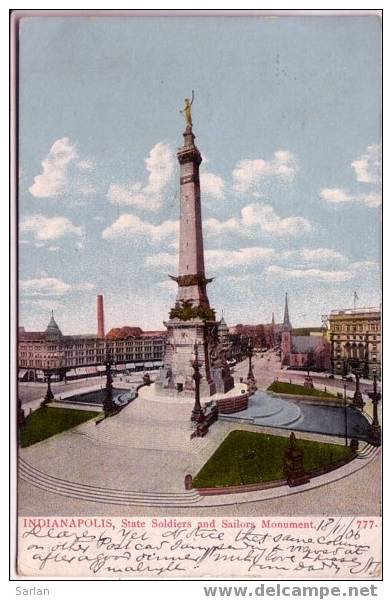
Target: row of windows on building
355,328
41,355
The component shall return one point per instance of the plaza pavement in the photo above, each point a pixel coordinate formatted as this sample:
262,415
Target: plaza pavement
136,462
143,454
356,495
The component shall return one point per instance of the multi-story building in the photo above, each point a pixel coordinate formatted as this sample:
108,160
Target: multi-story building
71,356
355,336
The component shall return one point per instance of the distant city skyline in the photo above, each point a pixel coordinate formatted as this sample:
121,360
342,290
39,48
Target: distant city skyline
287,118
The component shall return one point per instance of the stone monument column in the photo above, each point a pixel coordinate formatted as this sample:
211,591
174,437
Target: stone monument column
192,320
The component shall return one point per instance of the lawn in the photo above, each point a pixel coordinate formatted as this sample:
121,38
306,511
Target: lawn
282,387
246,457
47,421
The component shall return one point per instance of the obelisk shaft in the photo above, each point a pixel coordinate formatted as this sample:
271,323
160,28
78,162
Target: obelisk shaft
191,271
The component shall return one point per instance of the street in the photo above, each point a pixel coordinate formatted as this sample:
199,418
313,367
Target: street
267,368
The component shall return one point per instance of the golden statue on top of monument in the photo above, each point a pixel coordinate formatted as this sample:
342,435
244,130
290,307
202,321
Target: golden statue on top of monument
187,110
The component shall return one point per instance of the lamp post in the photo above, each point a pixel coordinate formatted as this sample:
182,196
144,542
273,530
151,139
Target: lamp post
108,404
375,428
345,416
197,410
49,394
21,420
332,356
358,400
251,381
249,353
308,382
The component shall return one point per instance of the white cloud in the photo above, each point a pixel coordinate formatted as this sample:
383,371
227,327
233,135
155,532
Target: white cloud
51,286
358,271
249,175
368,170
234,258
311,274
341,196
160,166
214,226
212,185
216,258
62,172
309,255
255,218
131,226
264,217
44,286
49,228
53,179
368,166
372,199
336,195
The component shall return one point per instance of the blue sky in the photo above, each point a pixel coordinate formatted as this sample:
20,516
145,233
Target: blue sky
287,117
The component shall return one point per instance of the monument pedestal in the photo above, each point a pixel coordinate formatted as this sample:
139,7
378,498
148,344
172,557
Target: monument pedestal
177,372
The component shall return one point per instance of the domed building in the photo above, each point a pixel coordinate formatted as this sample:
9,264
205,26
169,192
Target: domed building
53,331
77,356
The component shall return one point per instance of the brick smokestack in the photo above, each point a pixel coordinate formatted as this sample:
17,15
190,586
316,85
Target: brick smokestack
100,317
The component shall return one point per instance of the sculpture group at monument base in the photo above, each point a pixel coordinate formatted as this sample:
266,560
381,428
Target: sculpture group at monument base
177,374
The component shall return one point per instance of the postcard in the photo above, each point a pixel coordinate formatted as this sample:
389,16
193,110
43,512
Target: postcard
197,210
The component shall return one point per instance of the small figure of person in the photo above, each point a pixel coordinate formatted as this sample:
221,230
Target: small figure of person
187,110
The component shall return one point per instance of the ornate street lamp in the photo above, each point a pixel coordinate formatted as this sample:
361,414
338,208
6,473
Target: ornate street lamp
375,428
197,412
332,355
251,381
49,394
366,358
21,420
357,400
345,416
108,404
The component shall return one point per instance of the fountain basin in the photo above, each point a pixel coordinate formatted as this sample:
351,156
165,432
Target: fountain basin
273,411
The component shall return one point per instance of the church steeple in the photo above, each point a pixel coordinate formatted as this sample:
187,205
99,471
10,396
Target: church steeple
286,318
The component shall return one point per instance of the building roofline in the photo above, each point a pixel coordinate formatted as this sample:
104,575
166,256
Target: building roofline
354,311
